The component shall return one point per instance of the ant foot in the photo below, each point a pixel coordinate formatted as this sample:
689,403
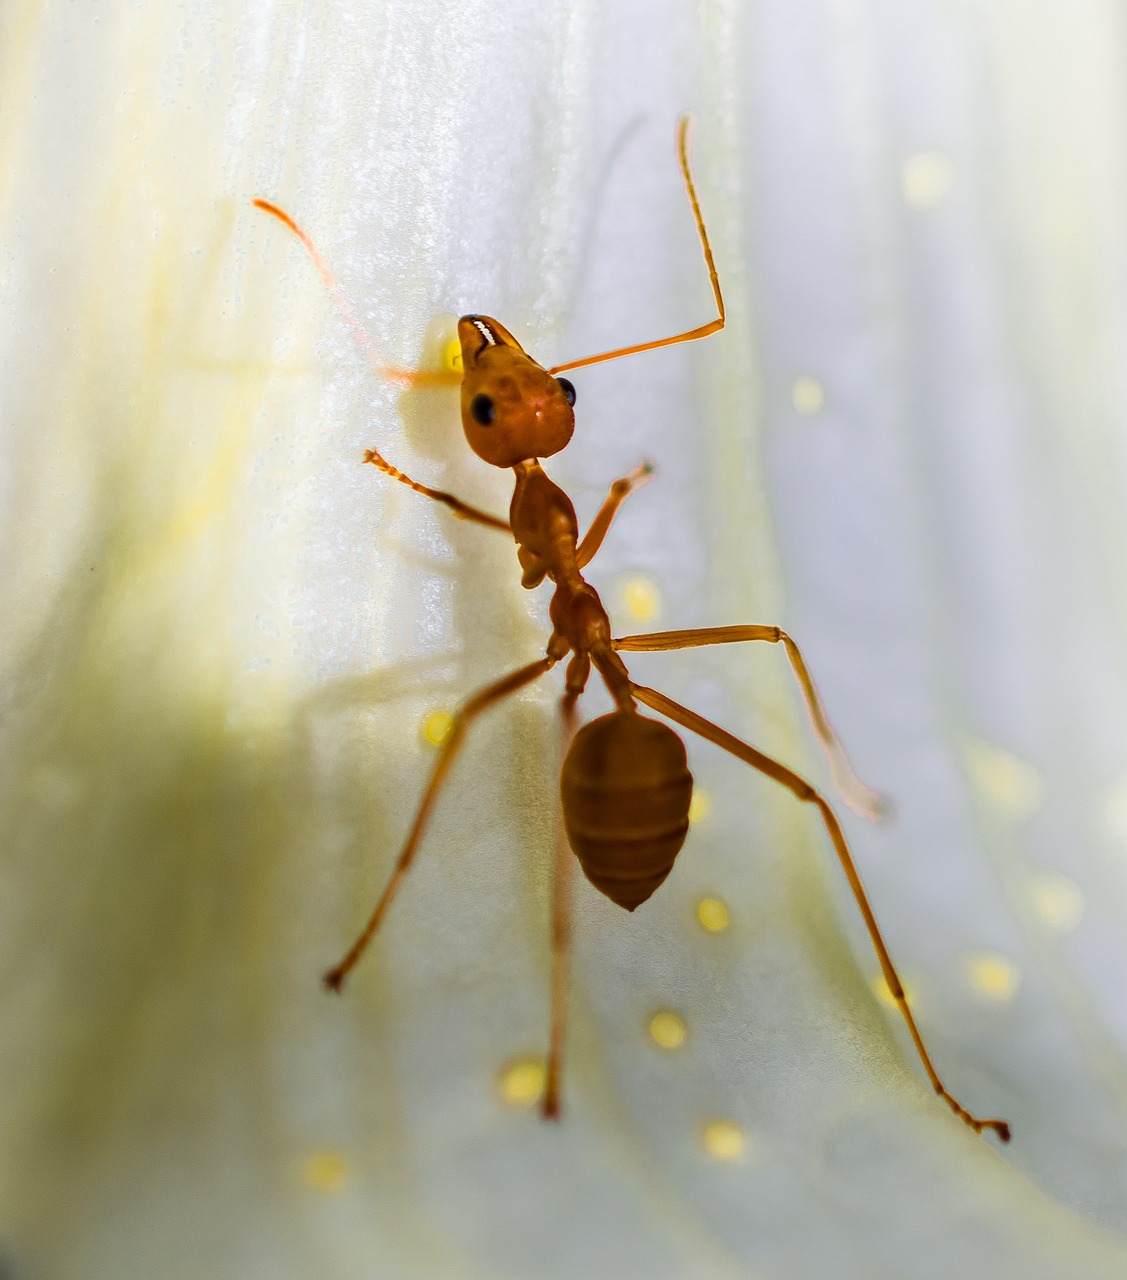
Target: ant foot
333,979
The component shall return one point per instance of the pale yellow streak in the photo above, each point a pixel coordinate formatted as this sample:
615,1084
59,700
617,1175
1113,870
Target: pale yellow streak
1113,810
19,59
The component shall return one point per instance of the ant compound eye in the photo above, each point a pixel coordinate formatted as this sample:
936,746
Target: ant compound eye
481,410
568,389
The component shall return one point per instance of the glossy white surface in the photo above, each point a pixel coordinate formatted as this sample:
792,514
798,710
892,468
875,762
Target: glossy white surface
222,635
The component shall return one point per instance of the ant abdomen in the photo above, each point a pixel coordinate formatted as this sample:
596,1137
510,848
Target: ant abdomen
626,789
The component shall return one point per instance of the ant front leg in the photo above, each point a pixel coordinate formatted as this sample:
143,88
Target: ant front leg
803,791
619,492
463,717
461,509
860,798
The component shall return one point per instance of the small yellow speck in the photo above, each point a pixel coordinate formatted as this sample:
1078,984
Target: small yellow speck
700,806
452,356
436,728
1058,900
882,993
667,1030
925,179
713,915
521,1082
724,1140
325,1171
640,598
993,976
1011,784
807,395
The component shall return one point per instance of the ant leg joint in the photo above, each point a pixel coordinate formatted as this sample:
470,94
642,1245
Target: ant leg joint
625,485
578,671
1000,1127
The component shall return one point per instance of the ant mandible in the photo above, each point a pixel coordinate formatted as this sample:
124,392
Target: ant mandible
625,786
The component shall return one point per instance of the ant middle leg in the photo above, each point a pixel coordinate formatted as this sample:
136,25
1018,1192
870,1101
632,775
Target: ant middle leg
803,791
860,798
562,884
620,490
463,717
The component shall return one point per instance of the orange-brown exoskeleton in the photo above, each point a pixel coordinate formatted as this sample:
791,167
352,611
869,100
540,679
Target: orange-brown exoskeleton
625,785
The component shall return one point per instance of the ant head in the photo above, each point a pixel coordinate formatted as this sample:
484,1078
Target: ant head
512,409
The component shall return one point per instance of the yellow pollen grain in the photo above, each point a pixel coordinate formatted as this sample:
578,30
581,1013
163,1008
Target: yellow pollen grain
521,1083
925,179
452,356
700,806
1011,784
807,395
993,976
640,598
713,915
1058,901
667,1030
724,1140
325,1171
437,727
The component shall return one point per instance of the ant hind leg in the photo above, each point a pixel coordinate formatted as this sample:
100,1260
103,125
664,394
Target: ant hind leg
463,717
860,798
802,790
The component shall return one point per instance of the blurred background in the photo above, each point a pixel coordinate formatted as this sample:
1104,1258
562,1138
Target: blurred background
228,646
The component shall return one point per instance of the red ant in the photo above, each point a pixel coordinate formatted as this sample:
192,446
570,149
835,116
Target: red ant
625,785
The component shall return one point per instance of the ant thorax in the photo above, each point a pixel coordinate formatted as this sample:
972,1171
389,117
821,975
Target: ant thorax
545,527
